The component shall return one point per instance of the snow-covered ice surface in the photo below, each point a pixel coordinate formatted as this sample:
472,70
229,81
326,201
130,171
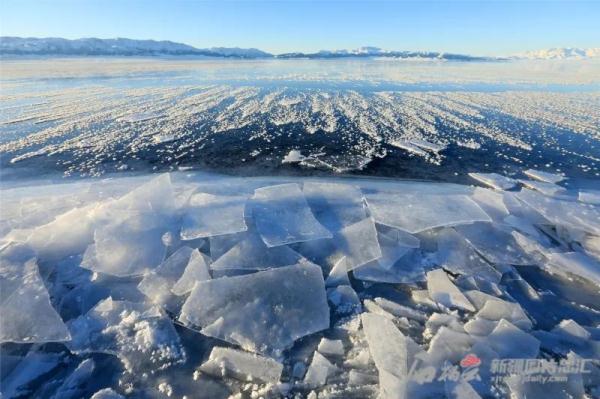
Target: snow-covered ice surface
283,277
363,310
417,119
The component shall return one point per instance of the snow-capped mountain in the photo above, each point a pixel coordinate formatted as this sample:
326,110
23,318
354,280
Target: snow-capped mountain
561,53
378,52
119,46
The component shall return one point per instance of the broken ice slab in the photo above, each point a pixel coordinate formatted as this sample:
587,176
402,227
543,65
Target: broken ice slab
197,269
244,366
262,312
209,215
573,329
495,243
128,246
157,284
456,255
358,243
427,145
510,341
333,347
544,176
18,379
25,308
392,352
73,384
319,371
335,205
338,274
448,345
589,196
282,216
106,393
251,253
399,310
408,269
479,327
498,309
549,189
344,298
416,213
494,180
491,202
154,196
221,244
576,263
438,320
443,291
394,245
561,386
562,212
140,335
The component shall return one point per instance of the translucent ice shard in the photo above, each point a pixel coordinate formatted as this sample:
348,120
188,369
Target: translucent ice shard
492,203
497,245
333,347
448,345
344,298
399,310
106,393
576,263
282,216
127,246
242,365
262,312
358,243
338,275
251,253
209,215
416,213
562,212
494,180
549,189
154,196
512,342
498,309
157,284
394,245
335,205
544,176
27,314
390,352
443,291
456,255
197,269
319,371
141,336
408,269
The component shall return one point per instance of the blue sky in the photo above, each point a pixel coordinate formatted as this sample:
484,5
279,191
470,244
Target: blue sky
472,27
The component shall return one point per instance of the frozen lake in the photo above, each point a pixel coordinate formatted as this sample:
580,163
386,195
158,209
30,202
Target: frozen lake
299,228
398,118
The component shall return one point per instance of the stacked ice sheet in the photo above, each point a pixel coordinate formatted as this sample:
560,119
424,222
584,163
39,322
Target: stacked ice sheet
213,286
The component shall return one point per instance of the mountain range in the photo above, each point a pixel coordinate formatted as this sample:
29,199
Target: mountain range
129,47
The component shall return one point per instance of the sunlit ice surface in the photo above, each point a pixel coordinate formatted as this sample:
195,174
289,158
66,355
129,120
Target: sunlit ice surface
340,228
